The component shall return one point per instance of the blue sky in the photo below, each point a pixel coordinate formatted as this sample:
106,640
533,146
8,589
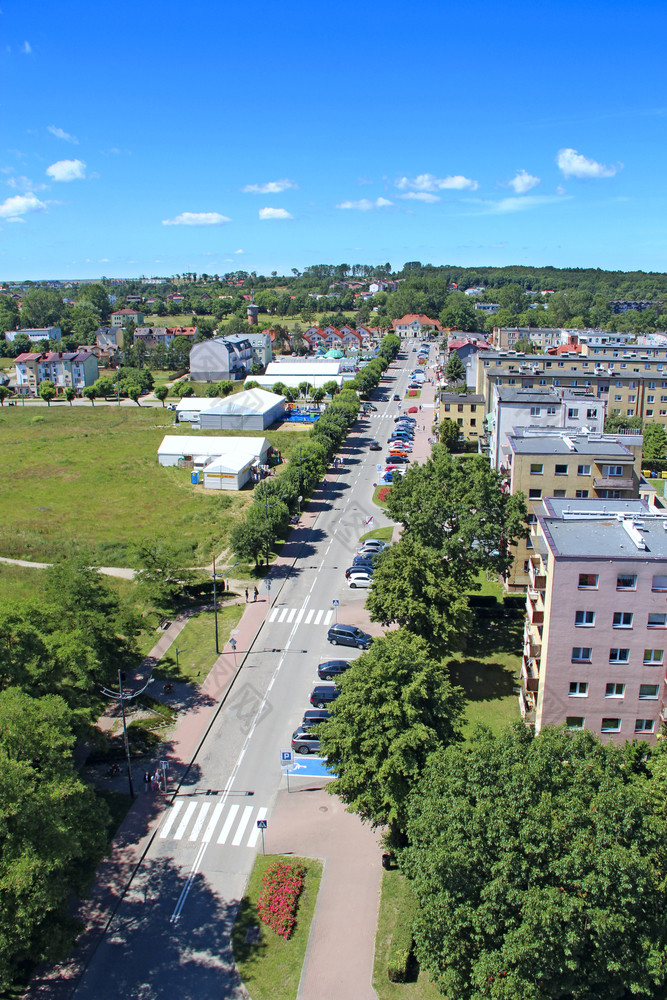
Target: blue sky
160,138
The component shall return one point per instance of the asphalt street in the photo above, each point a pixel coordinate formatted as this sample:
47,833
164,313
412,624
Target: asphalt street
170,934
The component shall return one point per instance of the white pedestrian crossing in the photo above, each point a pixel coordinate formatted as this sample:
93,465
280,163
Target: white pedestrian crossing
224,833
254,836
238,823
299,616
240,829
183,825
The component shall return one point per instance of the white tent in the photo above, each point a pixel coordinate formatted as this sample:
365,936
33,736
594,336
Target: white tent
190,408
202,450
277,370
294,381
252,410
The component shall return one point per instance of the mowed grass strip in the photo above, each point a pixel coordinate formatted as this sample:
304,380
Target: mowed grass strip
397,906
89,477
271,969
196,645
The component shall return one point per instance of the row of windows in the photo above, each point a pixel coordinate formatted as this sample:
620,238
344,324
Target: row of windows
611,725
617,654
647,692
624,581
499,362
608,471
620,619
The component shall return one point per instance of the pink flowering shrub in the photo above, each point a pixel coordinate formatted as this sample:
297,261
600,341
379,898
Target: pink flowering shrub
283,884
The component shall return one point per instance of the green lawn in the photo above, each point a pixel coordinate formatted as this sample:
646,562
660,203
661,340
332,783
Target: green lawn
384,534
196,645
6,363
376,492
397,903
271,969
90,477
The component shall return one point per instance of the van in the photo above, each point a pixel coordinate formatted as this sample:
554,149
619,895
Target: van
348,635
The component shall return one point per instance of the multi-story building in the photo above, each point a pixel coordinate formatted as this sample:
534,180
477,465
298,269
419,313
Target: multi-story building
73,368
566,466
411,324
505,337
631,387
466,411
596,629
221,358
542,408
123,316
36,333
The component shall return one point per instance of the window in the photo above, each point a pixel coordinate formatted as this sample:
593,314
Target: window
584,619
460,408
612,470
536,469
581,494
644,725
659,583
581,654
650,399
559,494
653,656
611,725
614,690
561,470
535,411
591,414
649,413
534,494
575,721
657,620
447,407
572,414
583,470
551,410
588,581
648,692
578,689
619,655
622,619
626,581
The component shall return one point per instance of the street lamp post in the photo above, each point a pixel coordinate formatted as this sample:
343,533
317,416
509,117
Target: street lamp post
215,608
177,651
123,696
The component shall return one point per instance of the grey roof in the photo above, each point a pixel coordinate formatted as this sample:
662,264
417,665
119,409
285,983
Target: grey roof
548,445
610,538
456,397
592,507
547,395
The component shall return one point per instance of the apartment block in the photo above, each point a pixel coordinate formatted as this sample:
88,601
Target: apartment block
466,411
566,466
596,628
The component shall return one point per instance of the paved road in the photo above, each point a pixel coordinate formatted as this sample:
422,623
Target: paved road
170,935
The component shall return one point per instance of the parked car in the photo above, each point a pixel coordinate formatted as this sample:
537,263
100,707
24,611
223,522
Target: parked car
360,579
369,406
362,567
312,717
413,409
305,741
402,417
397,460
396,397
367,559
323,695
373,545
328,670
347,635
375,446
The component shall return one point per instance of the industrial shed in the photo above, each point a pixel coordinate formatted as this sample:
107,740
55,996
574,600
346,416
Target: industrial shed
251,410
232,470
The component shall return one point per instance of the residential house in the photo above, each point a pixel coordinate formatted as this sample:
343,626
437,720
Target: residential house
465,410
221,358
474,292
594,641
467,349
72,368
121,317
488,308
412,324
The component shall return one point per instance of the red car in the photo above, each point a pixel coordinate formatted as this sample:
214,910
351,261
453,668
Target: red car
413,409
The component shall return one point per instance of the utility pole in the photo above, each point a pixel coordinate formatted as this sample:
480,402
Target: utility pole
215,608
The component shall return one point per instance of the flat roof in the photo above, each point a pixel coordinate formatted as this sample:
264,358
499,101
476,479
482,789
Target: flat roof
592,507
200,444
607,538
547,394
559,446
455,397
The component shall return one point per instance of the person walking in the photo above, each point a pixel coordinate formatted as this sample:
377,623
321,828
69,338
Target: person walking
255,594
246,595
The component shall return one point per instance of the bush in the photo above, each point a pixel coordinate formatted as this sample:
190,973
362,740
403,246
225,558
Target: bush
400,952
283,884
383,494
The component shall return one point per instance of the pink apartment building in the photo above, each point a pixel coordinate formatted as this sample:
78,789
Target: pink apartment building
596,629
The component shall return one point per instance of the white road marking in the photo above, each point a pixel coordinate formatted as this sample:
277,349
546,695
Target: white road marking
300,616
310,615
254,836
224,833
168,823
318,617
328,617
187,816
205,806
273,615
290,617
240,830
213,822
283,615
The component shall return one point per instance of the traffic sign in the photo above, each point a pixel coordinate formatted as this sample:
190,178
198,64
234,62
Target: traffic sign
335,603
286,758
261,824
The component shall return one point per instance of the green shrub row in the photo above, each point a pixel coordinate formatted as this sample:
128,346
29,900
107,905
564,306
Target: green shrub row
400,952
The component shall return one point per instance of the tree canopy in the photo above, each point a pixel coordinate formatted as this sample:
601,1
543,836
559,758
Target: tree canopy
538,866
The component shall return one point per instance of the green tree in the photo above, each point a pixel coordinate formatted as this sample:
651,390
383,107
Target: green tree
134,392
410,589
655,442
4,393
524,345
69,393
53,832
317,395
161,392
96,295
455,370
183,389
9,315
41,307
459,312
449,435
90,392
396,707
531,858
331,388
160,576
225,388
456,506
47,391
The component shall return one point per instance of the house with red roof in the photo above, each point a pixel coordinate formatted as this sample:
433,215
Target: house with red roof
123,316
64,368
411,324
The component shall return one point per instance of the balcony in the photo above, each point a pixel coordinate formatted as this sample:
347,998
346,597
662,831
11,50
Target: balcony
527,706
613,483
536,575
532,642
530,675
535,608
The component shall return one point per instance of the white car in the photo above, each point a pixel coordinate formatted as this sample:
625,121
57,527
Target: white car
374,543
359,579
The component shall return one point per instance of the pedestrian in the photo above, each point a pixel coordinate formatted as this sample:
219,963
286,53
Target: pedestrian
156,779
255,594
246,595
147,780
420,407
222,586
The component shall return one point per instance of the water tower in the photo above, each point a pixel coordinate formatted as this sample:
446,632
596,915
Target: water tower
252,311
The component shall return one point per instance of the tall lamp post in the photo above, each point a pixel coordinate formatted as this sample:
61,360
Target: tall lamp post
123,696
215,608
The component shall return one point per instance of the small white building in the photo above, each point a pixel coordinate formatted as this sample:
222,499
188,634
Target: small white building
251,410
294,381
227,461
188,409
35,334
235,468
305,370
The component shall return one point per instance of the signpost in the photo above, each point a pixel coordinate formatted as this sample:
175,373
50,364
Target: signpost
335,604
287,763
261,825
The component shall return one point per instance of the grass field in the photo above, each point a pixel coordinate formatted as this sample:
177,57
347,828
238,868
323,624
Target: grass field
196,645
271,969
90,478
396,904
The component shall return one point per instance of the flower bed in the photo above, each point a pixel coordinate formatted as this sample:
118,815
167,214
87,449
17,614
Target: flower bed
277,905
383,494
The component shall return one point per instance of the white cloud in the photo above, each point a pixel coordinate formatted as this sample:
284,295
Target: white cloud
67,170
574,164
429,182
506,205
62,134
24,184
13,208
271,187
365,205
420,196
196,219
274,213
239,251
523,181
26,48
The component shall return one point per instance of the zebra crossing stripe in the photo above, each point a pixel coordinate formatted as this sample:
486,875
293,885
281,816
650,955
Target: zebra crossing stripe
273,615
168,823
318,617
300,616
224,833
200,820
213,822
283,614
187,816
254,836
309,616
328,617
290,617
240,830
